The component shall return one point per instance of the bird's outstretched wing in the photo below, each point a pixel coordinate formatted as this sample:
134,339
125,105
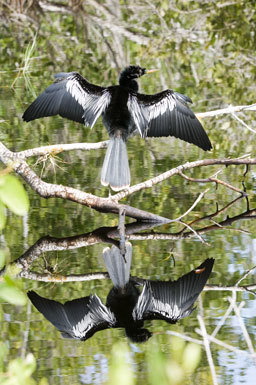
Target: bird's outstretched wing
71,96
171,301
78,319
167,114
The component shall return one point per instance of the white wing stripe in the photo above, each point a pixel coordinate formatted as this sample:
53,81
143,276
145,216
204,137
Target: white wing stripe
139,116
160,108
98,313
166,310
92,104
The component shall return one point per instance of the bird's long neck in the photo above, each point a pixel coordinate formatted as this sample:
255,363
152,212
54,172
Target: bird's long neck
131,84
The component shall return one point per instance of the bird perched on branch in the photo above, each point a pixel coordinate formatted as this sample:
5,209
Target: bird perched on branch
126,306
124,111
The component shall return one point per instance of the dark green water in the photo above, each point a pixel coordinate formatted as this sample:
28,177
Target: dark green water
232,244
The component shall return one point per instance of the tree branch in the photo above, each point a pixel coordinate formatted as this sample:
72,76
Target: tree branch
49,190
213,180
177,170
57,148
227,110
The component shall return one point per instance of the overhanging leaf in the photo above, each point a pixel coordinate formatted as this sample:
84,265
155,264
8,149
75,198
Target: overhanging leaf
12,294
2,216
13,194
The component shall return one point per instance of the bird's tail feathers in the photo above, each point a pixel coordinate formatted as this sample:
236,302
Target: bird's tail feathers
115,171
118,266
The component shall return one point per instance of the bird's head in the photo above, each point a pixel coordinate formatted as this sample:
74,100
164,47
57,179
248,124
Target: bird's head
129,74
138,335
134,72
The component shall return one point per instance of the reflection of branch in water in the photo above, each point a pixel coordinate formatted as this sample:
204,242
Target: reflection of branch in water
242,325
218,211
56,278
250,214
207,349
112,234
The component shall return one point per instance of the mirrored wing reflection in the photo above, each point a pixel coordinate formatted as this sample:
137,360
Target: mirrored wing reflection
128,304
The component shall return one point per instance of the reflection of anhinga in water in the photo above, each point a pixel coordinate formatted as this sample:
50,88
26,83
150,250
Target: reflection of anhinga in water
124,111
126,306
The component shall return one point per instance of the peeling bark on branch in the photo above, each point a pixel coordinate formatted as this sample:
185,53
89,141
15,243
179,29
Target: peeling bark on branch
50,190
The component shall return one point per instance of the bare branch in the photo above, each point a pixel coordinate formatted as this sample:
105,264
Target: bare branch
57,148
227,110
242,326
174,171
48,190
207,349
61,278
247,288
213,180
221,343
191,208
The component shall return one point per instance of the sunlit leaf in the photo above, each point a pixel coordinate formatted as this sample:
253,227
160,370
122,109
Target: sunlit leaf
43,381
2,215
2,258
120,369
13,194
3,354
12,294
191,357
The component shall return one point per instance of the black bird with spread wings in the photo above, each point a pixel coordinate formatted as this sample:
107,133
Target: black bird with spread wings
124,112
126,306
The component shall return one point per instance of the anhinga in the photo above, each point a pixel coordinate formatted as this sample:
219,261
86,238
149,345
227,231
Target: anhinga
126,306
124,111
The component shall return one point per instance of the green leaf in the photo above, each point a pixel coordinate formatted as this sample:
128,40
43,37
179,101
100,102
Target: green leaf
2,258
191,357
13,194
12,294
120,370
2,215
3,354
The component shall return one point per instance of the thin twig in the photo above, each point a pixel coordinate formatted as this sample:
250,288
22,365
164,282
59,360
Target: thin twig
212,180
184,337
194,232
207,349
245,275
223,344
174,171
244,330
201,195
243,123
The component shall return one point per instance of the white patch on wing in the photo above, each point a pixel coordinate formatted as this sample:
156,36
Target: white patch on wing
144,302
166,310
98,313
93,104
83,326
96,105
75,90
160,108
139,114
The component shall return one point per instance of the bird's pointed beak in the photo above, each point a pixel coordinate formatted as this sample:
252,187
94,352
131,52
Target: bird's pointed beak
150,71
